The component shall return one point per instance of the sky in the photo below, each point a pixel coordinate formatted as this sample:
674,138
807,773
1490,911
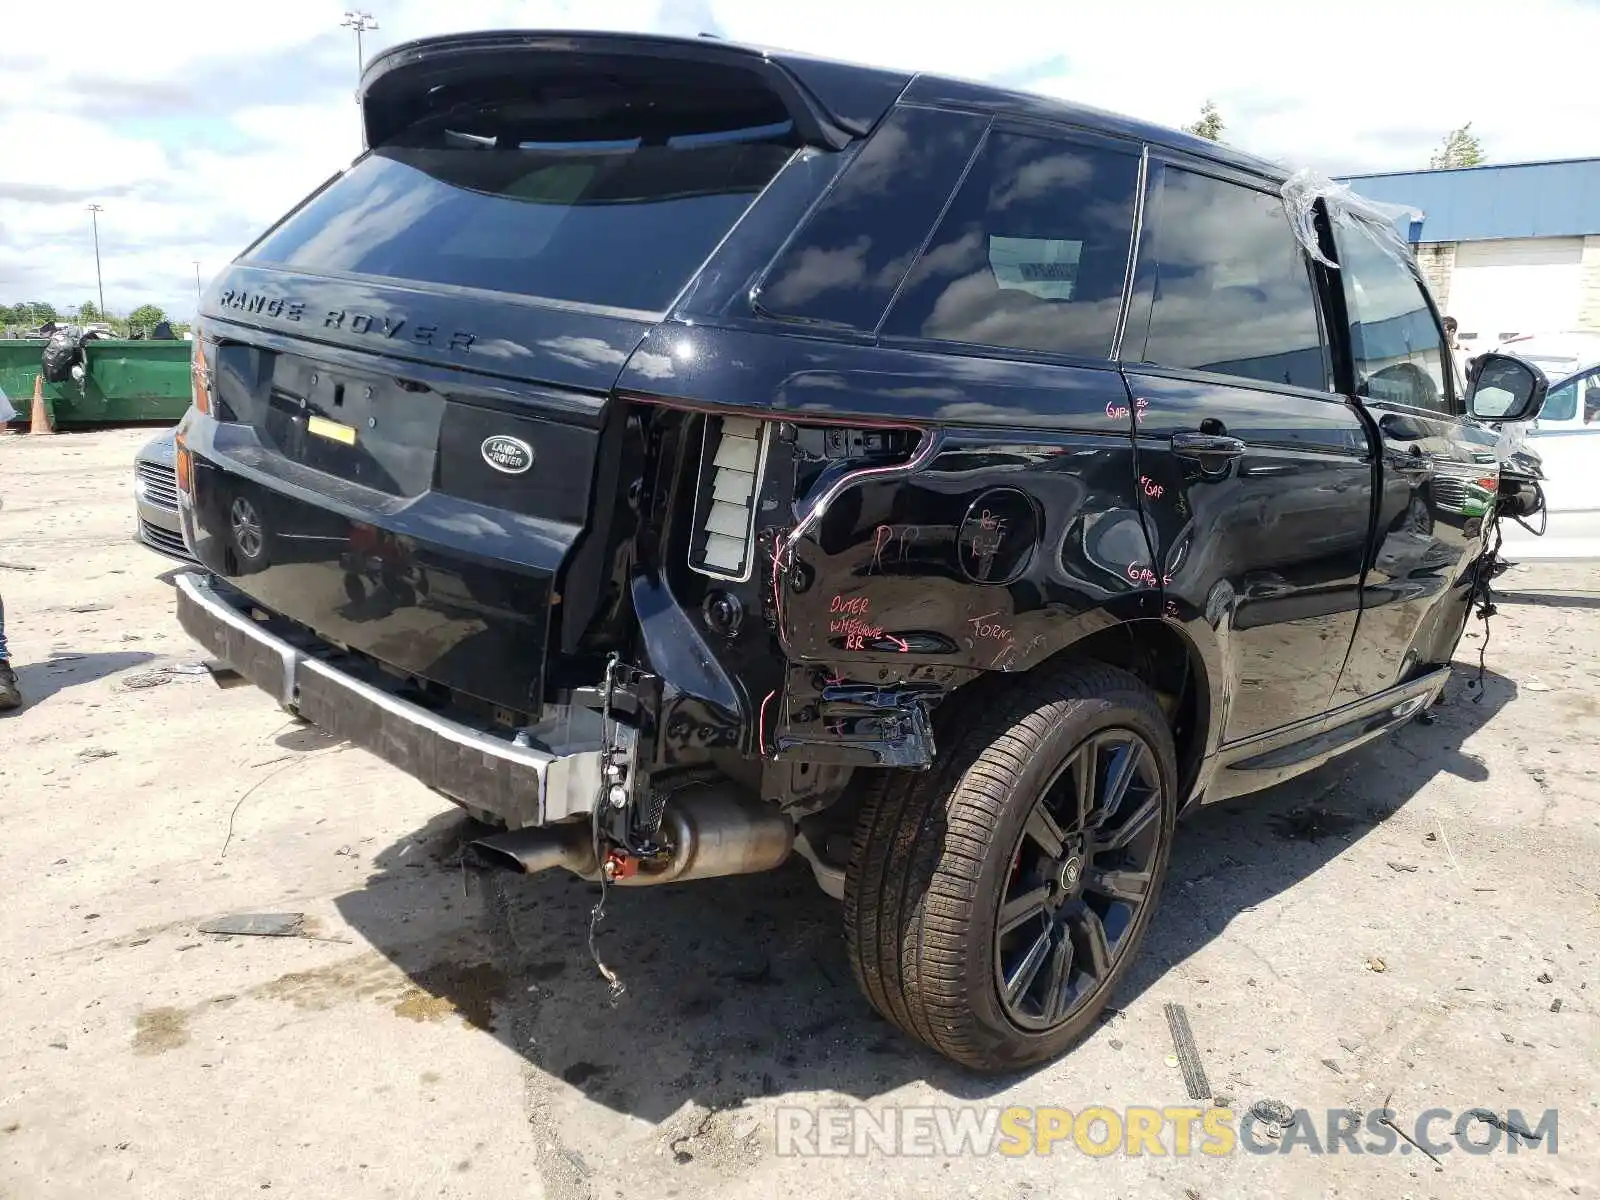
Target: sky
197,127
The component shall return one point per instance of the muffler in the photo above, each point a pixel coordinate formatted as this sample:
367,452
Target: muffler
710,831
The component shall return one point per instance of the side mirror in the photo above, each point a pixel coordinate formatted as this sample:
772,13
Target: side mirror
1505,388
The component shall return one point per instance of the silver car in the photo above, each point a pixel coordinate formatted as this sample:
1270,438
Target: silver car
155,497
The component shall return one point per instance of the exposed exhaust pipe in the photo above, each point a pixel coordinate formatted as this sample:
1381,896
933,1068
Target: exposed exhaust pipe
525,851
711,831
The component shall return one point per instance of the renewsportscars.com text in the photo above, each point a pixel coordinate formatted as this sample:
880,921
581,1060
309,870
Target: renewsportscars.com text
1172,1131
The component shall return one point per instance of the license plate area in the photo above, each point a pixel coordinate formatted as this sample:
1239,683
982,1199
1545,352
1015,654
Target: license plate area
376,431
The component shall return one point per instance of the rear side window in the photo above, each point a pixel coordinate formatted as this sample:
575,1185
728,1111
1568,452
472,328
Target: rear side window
1397,345
613,200
1032,253
844,266
1231,288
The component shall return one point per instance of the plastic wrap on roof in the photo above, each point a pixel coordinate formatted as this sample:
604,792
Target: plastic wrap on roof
1345,206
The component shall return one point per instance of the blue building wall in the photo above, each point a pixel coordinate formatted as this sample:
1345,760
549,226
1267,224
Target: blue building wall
1516,200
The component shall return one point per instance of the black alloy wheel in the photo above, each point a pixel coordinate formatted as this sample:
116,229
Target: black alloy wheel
1080,876
994,903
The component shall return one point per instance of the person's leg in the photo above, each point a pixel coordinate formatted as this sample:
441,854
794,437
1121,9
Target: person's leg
10,697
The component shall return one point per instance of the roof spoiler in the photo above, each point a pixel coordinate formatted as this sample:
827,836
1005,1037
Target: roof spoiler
830,103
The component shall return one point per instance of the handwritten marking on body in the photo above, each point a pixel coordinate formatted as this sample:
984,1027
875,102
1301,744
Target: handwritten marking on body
990,536
899,538
1139,573
848,615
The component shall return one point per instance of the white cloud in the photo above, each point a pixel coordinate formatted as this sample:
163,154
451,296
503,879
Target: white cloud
198,129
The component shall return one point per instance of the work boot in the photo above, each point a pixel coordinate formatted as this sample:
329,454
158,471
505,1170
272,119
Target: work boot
10,697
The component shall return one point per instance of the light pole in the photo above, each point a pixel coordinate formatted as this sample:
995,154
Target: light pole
94,216
360,22
197,285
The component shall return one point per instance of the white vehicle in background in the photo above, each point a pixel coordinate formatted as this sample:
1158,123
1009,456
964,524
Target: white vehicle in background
1566,438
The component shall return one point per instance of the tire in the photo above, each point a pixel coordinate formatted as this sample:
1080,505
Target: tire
937,854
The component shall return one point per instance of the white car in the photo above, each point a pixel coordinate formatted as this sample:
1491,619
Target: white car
1567,439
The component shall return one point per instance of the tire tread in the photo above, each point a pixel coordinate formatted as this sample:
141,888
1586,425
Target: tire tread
910,897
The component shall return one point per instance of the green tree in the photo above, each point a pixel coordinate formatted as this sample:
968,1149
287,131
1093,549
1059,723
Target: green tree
1209,126
89,311
145,318
8,315
1460,148
35,312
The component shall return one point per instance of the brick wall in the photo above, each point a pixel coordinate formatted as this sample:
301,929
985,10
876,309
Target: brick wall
1437,261
1589,285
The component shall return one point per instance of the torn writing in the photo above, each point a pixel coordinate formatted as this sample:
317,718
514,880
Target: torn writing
983,628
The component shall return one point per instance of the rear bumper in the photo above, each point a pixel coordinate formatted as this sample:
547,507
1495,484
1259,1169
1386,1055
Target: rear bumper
555,775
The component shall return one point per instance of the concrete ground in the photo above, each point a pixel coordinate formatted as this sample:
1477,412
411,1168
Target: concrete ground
1419,921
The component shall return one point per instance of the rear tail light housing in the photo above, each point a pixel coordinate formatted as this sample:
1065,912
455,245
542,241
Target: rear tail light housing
200,375
828,456
733,462
183,466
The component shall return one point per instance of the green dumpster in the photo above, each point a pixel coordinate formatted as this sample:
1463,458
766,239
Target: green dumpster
122,381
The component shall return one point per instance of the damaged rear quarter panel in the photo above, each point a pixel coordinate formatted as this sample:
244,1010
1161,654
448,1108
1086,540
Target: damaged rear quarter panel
1021,536
1004,550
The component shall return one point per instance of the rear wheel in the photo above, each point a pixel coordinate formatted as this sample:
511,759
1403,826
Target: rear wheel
993,904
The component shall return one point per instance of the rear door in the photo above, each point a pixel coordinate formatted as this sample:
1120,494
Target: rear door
1435,474
1255,477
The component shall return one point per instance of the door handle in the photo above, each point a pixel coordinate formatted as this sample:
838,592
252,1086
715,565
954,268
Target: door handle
1206,446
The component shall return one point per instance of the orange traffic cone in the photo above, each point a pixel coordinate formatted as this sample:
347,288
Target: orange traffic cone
40,419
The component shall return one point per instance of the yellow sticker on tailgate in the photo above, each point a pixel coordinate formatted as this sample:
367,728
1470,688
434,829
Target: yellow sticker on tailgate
332,430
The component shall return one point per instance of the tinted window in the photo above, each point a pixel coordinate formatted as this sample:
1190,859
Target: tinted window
614,209
1231,289
1397,345
1032,254
846,263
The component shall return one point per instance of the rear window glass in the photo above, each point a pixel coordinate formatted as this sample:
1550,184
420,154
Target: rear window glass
1032,254
846,263
617,206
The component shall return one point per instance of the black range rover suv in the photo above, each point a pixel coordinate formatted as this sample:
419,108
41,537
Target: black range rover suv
682,456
